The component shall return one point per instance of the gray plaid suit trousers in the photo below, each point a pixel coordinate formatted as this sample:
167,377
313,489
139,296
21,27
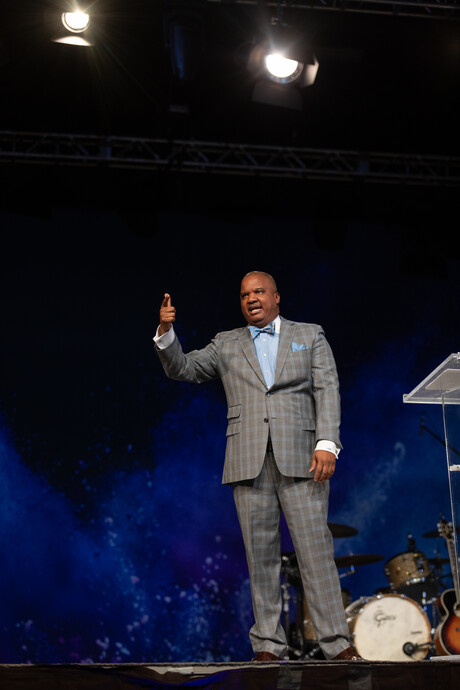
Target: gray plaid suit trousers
304,503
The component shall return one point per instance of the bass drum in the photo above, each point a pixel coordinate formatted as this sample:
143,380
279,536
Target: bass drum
389,627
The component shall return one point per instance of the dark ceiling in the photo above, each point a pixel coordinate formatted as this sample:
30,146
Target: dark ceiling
385,82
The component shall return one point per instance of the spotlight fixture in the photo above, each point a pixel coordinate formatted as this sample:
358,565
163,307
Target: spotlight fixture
77,28
282,69
283,63
75,22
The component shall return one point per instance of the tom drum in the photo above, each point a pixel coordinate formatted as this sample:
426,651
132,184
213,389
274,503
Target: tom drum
409,573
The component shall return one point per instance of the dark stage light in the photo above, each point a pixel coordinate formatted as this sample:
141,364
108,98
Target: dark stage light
183,33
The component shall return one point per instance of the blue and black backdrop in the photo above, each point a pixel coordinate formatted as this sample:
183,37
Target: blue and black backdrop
118,541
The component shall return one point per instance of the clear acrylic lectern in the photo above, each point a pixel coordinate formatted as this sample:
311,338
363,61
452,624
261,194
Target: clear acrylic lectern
442,387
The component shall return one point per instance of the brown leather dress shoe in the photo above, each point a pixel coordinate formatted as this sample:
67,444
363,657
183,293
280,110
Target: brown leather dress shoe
348,654
265,656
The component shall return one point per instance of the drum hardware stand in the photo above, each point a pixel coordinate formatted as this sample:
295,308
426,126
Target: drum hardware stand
432,647
411,544
312,653
352,571
297,645
434,613
286,597
409,648
285,590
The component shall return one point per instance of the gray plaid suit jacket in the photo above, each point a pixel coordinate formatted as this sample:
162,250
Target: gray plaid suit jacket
301,407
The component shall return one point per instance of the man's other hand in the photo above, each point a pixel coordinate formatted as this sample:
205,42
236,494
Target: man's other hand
323,465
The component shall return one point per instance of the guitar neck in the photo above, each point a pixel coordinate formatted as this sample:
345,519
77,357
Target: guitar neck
453,563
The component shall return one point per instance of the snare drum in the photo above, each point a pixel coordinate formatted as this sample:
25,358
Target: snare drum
389,627
409,573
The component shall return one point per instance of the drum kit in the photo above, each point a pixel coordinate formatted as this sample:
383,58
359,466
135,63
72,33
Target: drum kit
396,623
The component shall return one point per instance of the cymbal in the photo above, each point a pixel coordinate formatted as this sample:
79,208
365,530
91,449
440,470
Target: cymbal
435,533
357,559
341,530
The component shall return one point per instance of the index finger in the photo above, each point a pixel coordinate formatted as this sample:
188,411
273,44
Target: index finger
166,300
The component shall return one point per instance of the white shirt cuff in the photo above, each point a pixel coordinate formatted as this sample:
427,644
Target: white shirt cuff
165,340
328,445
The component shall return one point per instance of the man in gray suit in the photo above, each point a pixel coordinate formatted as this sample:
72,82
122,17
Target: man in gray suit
282,391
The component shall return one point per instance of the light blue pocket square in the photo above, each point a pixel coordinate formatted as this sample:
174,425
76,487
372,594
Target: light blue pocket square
296,347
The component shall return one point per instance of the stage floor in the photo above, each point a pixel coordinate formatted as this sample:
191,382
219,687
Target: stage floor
439,673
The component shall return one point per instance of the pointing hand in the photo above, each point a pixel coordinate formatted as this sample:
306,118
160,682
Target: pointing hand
167,314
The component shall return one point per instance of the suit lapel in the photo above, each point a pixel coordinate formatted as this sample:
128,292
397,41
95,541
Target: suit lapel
249,350
286,337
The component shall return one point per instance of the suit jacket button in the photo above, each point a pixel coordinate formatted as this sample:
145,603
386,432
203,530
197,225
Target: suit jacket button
266,420
268,394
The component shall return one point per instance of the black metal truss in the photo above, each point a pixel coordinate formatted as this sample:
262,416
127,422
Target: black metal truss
227,158
443,9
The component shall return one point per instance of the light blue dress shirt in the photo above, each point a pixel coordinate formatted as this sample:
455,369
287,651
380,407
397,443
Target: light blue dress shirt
267,350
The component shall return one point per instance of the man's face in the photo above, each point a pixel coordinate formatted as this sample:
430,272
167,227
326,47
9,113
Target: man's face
259,299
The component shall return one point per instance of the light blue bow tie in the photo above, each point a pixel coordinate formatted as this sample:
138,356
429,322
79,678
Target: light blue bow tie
270,329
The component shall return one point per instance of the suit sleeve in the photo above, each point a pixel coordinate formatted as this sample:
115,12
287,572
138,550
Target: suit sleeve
325,387
197,366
